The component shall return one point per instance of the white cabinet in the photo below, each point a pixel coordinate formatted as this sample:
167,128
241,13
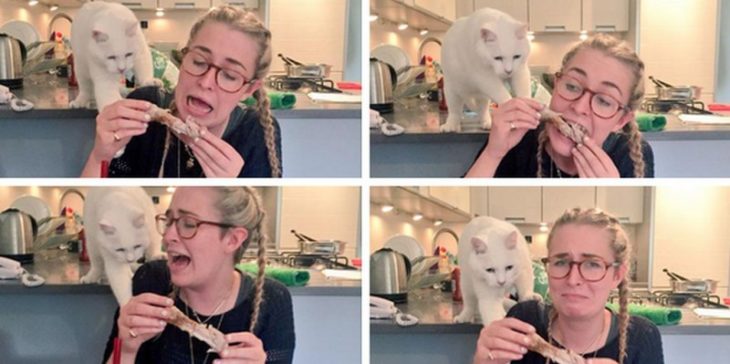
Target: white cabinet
479,201
626,203
184,4
137,4
516,8
556,200
246,4
519,205
439,8
606,16
555,15
457,197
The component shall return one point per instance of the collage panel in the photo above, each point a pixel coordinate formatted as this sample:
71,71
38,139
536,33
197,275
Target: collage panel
205,88
183,263
465,274
549,88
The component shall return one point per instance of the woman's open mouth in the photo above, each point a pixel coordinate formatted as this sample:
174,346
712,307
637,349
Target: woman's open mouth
177,261
198,107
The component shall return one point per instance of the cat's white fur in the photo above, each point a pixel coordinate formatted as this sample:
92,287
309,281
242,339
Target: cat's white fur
119,224
107,41
494,259
479,53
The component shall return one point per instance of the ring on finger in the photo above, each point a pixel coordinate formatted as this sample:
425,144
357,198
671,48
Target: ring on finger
512,126
133,334
116,137
490,355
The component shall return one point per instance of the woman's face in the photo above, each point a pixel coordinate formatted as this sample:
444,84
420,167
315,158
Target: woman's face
200,96
572,295
195,260
599,73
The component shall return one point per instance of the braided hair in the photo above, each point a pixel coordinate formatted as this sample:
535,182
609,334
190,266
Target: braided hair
621,248
247,23
622,52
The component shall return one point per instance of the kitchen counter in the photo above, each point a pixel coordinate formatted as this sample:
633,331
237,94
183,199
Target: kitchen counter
680,150
435,311
62,271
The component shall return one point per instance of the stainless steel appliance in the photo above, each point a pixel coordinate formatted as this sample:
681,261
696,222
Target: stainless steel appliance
389,274
17,233
12,58
383,80
287,83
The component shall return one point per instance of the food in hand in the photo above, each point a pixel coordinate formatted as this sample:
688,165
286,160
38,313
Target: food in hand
188,127
557,355
205,333
575,132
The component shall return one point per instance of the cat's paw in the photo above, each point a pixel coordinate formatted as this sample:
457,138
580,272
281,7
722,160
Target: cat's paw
153,82
450,127
91,279
462,318
80,104
534,296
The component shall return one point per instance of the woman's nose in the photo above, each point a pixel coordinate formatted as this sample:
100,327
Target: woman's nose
582,105
170,234
574,277
207,79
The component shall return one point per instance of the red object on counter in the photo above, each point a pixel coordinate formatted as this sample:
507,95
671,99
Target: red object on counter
726,300
117,354
71,72
442,96
349,86
104,173
357,262
718,107
456,284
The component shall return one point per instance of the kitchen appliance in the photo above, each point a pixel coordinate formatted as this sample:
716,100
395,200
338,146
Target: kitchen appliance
296,69
309,245
286,83
12,58
17,233
389,274
666,91
383,80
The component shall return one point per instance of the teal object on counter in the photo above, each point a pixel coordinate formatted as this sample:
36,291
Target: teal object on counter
277,100
651,122
658,315
541,279
288,276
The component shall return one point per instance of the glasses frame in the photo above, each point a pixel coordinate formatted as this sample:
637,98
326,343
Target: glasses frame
546,262
170,221
621,107
185,51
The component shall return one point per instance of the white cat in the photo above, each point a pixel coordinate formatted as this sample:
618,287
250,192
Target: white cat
494,258
107,41
119,224
479,53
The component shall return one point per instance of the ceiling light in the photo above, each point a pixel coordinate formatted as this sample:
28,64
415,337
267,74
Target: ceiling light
373,17
530,36
387,208
402,26
32,2
160,12
543,227
438,222
171,189
423,32
583,35
54,7
417,217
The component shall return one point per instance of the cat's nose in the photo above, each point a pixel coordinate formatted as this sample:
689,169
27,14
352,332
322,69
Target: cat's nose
121,70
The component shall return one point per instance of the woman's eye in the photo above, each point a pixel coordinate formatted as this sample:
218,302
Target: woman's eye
188,223
572,87
230,76
592,264
199,63
560,263
604,100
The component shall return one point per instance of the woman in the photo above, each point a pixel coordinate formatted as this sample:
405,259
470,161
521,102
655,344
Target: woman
205,231
599,87
588,256
226,60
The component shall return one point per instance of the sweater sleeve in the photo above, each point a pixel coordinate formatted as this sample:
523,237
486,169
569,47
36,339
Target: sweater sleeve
277,325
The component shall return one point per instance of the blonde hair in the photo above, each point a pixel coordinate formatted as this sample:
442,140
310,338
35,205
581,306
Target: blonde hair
621,248
622,52
247,23
242,206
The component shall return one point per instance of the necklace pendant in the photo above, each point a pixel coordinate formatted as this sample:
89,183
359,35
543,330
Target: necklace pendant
190,163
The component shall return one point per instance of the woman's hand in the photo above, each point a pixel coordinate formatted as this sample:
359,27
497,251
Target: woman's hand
601,361
116,124
592,161
216,157
502,341
142,318
244,348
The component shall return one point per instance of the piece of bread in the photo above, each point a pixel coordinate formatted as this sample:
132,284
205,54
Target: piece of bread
575,132
205,333
559,356
188,127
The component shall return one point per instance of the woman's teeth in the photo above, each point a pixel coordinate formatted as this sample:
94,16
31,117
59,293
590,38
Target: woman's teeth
178,260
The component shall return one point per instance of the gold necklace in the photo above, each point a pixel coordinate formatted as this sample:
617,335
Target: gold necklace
205,322
595,353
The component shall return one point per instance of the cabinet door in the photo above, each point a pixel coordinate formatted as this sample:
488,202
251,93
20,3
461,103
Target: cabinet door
479,201
184,4
439,8
606,16
556,200
137,4
246,4
626,203
454,196
516,8
518,205
555,15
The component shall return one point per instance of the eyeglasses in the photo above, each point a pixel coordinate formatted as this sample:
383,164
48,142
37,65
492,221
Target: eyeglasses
603,105
187,226
228,80
591,270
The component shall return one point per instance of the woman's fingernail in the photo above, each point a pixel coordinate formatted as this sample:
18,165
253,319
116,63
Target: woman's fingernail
527,340
162,323
224,353
163,313
147,117
538,115
170,301
523,350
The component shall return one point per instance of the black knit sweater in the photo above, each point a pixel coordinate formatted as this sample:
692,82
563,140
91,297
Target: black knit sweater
275,327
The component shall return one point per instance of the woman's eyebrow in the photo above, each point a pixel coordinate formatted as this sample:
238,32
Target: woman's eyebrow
207,51
584,74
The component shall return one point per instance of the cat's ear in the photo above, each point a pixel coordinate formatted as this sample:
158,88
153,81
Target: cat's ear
138,221
478,245
131,29
521,31
107,228
511,241
488,35
99,36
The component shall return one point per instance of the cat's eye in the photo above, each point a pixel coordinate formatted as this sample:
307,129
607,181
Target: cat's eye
490,270
509,267
128,54
498,58
111,58
517,57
